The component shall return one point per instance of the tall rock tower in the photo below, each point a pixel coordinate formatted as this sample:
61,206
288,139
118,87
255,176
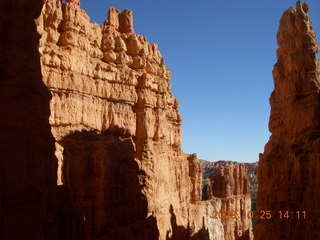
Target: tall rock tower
289,168
117,126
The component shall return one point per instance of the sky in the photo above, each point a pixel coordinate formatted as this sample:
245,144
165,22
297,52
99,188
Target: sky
221,55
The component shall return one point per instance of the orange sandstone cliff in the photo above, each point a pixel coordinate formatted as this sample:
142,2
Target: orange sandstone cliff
229,185
121,172
116,125
288,170
118,134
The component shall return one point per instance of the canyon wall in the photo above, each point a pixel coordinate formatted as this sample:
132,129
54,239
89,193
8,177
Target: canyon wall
288,170
28,165
118,133
231,185
117,127
227,183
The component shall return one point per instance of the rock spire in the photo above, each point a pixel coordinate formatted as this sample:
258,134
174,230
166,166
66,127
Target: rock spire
289,168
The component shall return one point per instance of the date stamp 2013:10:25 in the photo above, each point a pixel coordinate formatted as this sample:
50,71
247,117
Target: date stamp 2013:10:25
261,215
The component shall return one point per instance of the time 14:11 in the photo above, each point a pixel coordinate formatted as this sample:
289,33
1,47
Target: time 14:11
287,214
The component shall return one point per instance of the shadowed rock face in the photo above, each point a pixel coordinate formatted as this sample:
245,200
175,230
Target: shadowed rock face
28,165
102,173
288,171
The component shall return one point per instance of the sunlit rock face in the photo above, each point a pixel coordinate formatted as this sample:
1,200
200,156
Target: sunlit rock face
118,133
228,185
231,184
289,168
27,163
117,127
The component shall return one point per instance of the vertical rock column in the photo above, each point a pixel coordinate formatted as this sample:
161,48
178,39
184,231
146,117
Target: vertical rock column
27,162
289,168
231,186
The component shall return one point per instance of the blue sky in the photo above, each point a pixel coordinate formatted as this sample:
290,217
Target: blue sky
221,55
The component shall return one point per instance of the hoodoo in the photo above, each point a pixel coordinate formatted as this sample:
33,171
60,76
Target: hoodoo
117,127
111,166
118,134
289,168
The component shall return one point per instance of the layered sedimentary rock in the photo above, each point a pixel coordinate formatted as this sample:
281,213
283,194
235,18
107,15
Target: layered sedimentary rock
251,169
117,127
208,168
28,165
288,171
227,182
252,176
118,133
230,184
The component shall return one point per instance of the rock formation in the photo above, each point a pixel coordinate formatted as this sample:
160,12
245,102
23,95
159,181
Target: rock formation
252,176
118,134
28,165
117,127
227,183
230,184
121,171
208,168
288,171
